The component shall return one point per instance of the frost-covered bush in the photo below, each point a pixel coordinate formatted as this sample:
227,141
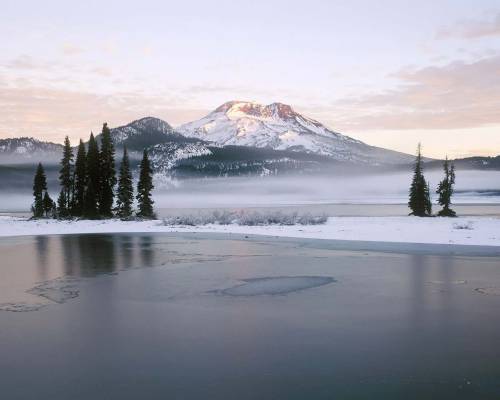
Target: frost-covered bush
467,226
247,218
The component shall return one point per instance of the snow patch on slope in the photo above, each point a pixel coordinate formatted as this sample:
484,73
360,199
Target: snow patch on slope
165,156
17,150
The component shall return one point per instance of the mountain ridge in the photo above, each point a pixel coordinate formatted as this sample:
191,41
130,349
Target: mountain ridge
26,148
284,137
143,133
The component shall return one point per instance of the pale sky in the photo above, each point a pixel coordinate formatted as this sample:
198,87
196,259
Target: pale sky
391,73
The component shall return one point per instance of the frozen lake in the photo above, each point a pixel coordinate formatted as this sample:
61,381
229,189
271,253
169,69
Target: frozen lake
192,316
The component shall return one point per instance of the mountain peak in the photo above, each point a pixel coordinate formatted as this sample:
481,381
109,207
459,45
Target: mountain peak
237,109
152,123
224,108
276,126
142,133
281,110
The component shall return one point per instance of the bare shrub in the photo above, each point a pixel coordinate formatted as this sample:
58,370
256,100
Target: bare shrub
466,225
246,218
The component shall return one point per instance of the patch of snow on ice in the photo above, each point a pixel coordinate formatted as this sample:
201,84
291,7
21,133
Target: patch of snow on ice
57,290
21,307
456,282
495,291
277,285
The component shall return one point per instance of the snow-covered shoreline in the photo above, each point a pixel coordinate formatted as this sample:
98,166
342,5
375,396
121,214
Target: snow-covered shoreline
480,231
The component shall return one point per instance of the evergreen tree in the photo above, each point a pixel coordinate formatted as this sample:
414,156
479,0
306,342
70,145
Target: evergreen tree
80,181
66,180
90,205
107,173
445,190
428,201
91,200
420,202
144,188
48,205
39,187
62,201
125,193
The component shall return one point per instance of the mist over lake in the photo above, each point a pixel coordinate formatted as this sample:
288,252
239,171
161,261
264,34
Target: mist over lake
472,187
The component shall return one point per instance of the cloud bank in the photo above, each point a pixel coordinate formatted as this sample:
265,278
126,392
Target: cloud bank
454,96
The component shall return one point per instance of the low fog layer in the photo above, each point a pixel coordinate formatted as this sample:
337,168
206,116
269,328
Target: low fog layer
471,187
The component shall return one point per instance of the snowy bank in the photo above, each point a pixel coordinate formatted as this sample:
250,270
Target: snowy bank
483,231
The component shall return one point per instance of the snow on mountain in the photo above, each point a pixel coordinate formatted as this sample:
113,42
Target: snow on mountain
27,149
147,125
143,133
279,127
164,156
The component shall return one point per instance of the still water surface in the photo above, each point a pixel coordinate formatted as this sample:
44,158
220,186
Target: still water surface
153,316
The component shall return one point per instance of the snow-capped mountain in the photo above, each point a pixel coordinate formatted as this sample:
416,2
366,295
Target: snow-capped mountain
28,150
143,133
277,126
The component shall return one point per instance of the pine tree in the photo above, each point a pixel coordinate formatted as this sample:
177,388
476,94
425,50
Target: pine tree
108,174
39,187
66,180
445,190
144,188
91,201
125,193
80,181
428,201
90,205
48,205
420,202
62,200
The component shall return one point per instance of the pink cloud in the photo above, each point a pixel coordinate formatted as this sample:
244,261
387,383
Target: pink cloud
457,95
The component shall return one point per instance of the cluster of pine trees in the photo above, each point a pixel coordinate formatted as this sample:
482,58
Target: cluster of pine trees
420,194
88,184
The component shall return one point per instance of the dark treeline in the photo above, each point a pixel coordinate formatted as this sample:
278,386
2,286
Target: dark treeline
88,184
420,202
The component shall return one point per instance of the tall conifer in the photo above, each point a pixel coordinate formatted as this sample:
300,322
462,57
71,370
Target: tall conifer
445,190
39,187
144,188
90,205
125,192
91,201
48,205
419,202
66,180
80,180
428,200
107,173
